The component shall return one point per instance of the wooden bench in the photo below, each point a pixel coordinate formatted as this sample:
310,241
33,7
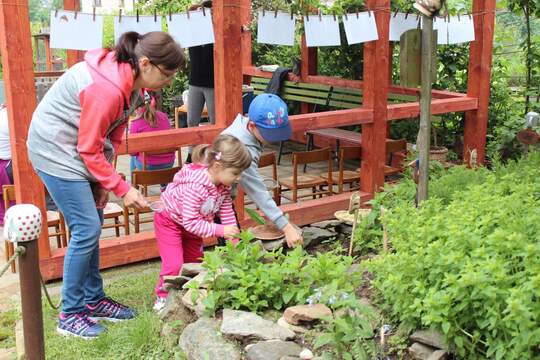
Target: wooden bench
327,96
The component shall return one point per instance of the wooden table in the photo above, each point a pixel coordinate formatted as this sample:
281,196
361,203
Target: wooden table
336,134
183,110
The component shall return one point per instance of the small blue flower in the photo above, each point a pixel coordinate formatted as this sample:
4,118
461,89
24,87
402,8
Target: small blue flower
332,300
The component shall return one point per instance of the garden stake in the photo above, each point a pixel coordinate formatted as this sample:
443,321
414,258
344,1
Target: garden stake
354,205
385,232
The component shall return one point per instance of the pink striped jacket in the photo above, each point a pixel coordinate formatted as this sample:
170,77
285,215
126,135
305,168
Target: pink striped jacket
192,201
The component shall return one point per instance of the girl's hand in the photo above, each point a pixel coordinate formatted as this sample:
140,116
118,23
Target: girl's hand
134,198
230,230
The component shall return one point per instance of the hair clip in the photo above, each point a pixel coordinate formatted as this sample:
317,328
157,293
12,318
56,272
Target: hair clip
120,15
275,13
218,156
155,15
94,13
137,15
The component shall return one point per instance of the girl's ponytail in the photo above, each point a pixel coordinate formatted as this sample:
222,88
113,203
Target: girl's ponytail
199,154
226,149
125,49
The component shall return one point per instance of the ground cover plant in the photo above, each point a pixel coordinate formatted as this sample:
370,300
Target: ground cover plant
466,262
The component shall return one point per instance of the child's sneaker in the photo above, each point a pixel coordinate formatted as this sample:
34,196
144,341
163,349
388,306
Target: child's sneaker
159,304
110,310
79,325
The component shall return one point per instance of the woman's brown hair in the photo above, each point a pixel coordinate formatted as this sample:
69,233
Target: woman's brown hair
158,46
226,149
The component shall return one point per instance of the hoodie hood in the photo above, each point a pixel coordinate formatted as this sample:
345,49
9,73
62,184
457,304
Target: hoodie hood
239,129
104,68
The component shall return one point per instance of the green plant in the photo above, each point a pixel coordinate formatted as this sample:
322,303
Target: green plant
467,263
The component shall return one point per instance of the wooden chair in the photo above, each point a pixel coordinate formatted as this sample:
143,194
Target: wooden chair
55,220
392,147
269,159
142,178
178,151
305,181
346,176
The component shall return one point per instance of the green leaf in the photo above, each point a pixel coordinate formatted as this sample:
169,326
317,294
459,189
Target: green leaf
322,340
254,215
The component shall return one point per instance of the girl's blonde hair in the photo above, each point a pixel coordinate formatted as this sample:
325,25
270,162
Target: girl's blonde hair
226,149
148,113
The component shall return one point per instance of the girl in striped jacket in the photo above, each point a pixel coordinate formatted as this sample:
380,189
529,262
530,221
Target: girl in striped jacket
199,192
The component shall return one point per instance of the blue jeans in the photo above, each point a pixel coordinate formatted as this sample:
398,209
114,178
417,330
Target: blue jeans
82,281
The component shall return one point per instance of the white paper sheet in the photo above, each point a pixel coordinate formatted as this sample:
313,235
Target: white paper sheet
275,29
441,25
193,31
460,30
360,29
82,33
400,23
323,31
145,25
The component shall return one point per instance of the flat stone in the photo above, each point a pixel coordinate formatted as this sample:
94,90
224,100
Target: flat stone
247,325
327,224
420,351
438,355
431,338
199,279
273,245
315,235
192,269
344,229
296,328
174,282
202,340
174,310
307,313
198,307
272,350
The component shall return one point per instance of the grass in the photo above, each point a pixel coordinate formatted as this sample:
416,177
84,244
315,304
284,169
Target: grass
135,339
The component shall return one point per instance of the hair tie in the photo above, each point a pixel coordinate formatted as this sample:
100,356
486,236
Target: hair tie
218,156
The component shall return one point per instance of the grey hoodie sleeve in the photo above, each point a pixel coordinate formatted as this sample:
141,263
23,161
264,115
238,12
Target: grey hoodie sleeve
254,187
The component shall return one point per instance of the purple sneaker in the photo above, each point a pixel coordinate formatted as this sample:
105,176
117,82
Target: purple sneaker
79,325
110,310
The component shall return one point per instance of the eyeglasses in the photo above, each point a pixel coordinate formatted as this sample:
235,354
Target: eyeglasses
165,75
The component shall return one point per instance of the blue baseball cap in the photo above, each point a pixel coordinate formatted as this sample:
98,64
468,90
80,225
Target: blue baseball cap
269,113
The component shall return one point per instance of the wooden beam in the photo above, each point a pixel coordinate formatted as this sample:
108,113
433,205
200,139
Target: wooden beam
478,85
112,252
334,118
48,73
227,60
73,56
375,92
308,66
169,138
245,21
48,54
438,106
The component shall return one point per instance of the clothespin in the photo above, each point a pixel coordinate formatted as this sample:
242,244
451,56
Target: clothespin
155,15
395,13
320,15
55,12
346,18
357,13
203,11
307,16
407,14
93,13
264,12
291,14
275,13
170,15
334,13
470,17
187,12
120,15
137,15
75,16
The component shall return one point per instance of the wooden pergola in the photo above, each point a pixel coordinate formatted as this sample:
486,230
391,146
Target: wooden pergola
232,67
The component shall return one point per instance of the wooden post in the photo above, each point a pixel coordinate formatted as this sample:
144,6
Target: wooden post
376,68
308,66
425,107
479,80
245,20
73,56
16,53
48,53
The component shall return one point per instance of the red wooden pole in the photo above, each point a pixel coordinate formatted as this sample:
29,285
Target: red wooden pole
376,69
479,80
308,66
245,20
16,52
48,54
73,56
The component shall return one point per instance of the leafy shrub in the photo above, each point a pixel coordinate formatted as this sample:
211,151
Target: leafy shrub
467,263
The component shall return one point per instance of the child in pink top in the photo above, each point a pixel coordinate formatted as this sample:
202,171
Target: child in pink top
198,192
148,119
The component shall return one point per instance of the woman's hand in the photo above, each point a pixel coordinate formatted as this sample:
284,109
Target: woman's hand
134,198
230,231
101,196
292,235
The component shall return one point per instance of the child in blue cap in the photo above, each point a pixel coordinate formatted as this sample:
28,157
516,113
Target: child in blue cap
267,121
